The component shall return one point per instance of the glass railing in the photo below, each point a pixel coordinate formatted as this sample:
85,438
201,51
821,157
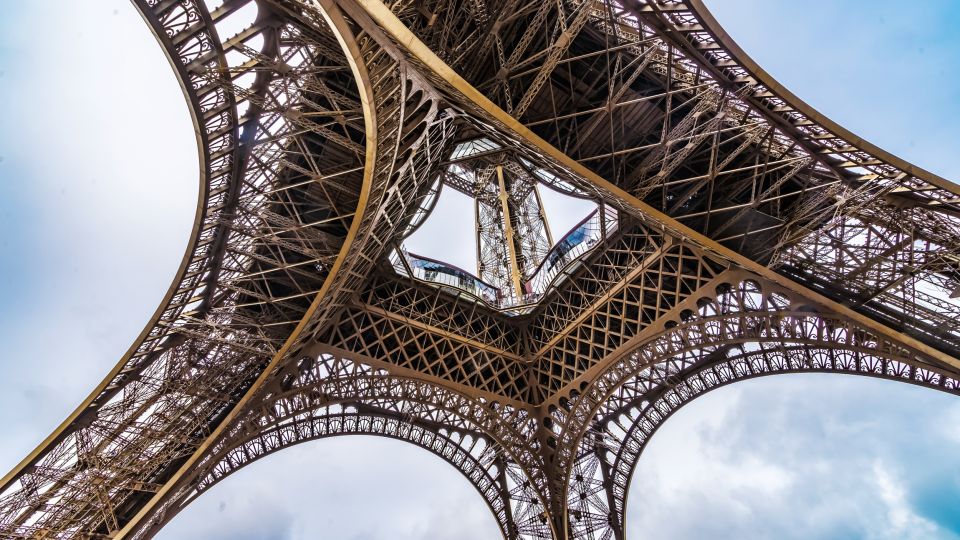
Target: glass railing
582,238
434,271
598,225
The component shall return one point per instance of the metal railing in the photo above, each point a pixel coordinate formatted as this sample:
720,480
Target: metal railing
434,271
597,226
594,228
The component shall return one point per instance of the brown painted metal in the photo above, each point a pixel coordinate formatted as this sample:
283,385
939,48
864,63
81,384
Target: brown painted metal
741,234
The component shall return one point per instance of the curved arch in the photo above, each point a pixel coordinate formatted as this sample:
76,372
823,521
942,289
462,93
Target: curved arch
779,91
745,330
345,486
476,461
256,267
662,402
473,437
215,131
762,454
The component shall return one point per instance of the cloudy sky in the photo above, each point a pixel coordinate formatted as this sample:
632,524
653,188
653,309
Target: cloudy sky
98,183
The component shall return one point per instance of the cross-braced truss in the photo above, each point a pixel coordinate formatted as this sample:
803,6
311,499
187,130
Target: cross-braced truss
738,234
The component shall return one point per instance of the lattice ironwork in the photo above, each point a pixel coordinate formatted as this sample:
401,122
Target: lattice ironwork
738,233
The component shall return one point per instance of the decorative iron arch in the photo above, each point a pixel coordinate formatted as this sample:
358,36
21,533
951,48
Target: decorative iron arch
747,329
331,395
468,453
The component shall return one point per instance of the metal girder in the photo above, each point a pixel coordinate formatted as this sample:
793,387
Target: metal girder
138,423
739,234
737,328
327,394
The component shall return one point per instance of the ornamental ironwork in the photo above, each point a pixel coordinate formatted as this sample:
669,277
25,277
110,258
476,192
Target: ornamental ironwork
738,234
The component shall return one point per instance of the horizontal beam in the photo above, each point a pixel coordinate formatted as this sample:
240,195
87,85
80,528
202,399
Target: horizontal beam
401,35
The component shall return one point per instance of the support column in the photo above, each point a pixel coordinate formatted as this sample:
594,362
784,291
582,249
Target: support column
515,274
615,519
512,533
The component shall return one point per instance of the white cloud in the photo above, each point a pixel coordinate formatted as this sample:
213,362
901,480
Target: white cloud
786,457
351,487
98,142
901,520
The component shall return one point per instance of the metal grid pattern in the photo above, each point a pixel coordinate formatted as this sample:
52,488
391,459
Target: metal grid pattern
739,327
262,245
752,237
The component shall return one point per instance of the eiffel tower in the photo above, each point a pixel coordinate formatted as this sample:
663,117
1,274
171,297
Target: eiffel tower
738,234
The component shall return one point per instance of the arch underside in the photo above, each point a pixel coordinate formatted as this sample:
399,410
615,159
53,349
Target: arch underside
742,330
332,395
739,327
247,279
297,205
656,99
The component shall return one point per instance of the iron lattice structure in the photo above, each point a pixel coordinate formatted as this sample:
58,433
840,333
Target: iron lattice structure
739,234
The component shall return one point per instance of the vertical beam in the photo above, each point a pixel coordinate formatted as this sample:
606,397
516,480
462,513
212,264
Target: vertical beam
543,215
479,234
511,531
616,520
508,231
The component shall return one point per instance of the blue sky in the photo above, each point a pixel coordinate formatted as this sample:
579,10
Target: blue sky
98,183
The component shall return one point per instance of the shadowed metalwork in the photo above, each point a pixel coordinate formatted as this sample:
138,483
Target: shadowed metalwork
738,233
